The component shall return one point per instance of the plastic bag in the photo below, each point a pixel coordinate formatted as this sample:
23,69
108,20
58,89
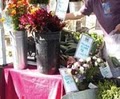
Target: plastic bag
111,52
112,43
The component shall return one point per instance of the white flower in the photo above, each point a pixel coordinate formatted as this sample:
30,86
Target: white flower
96,63
81,60
82,70
86,65
75,65
94,57
88,59
99,60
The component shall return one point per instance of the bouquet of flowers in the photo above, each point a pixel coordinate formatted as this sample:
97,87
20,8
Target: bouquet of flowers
86,71
38,20
15,9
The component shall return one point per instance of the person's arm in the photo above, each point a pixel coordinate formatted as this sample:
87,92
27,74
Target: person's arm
117,28
74,16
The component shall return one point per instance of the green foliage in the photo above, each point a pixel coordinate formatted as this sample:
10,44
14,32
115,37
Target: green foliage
69,41
108,90
115,61
97,44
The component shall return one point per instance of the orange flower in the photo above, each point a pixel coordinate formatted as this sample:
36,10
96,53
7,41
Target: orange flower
11,6
13,12
16,8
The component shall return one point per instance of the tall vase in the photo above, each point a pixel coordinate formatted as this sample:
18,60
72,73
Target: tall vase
19,45
47,47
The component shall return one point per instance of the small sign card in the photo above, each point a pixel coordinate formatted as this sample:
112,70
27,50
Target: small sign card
61,8
7,23
105,71
84,47
68,80
1,5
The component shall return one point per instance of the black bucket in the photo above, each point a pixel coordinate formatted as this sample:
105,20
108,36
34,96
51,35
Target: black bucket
47,47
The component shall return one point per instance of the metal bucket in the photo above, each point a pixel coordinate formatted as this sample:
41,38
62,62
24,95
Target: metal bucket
19,45
47,47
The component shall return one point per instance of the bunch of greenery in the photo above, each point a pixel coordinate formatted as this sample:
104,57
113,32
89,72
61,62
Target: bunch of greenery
108,90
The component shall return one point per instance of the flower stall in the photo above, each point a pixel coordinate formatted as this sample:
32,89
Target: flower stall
77,56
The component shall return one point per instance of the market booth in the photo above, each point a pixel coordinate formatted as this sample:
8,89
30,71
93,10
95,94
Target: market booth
69,64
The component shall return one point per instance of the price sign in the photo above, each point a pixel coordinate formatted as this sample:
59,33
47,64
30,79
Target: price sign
84,47
8,22
61,8
1,5
68,80
105,71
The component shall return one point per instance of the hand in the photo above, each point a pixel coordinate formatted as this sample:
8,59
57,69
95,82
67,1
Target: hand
117,28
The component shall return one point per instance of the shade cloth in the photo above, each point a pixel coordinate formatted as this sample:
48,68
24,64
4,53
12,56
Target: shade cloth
29,84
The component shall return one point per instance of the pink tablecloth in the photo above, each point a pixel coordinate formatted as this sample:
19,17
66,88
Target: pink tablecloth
29,84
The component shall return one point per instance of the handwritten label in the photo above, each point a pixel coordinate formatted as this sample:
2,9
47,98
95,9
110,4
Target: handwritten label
8,22
1,5
84,47
105,71
61,8
68,80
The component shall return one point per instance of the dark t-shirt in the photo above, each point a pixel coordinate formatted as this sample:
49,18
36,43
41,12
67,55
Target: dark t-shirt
107,13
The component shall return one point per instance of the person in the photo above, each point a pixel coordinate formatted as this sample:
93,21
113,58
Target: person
108,16
106,11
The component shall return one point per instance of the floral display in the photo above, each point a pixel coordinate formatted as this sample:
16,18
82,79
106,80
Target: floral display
38,20
15,9
87,70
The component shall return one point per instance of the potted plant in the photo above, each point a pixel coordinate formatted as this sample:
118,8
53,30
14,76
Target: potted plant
46,29
108,90
15,9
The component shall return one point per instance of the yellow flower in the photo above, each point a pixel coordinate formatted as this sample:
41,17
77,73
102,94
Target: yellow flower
33,9
2,19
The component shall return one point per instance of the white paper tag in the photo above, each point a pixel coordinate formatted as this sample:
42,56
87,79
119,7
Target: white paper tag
91,86
105,71
84,47
68,80
1,5
61,8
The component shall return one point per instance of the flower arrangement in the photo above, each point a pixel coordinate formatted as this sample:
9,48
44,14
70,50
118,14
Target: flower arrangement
38,20
15,9
86,71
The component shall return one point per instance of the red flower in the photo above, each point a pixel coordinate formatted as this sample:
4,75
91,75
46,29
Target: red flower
40,21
